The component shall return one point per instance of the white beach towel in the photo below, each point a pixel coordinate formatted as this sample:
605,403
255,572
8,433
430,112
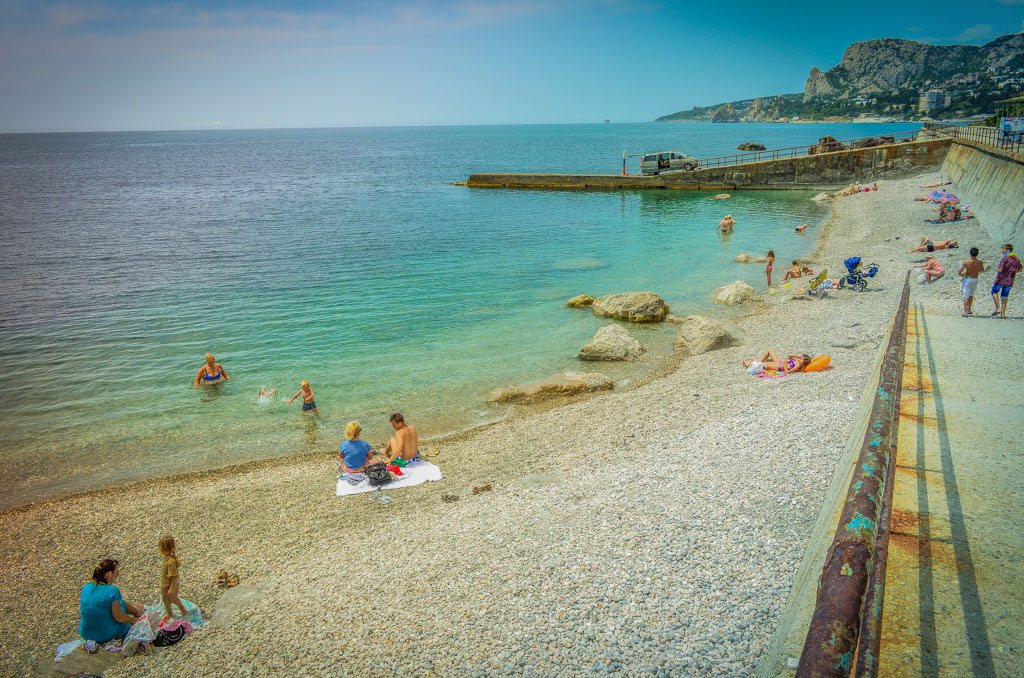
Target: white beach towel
416,473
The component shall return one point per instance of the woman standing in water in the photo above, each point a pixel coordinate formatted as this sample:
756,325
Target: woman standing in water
210,373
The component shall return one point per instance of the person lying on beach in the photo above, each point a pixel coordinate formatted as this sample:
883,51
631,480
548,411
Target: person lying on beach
928,246
932,269
403,448
797,271
308,403
210,373
355,453
941,183
726,224
794,362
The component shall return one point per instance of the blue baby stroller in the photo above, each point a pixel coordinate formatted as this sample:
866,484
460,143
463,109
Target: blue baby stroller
856,277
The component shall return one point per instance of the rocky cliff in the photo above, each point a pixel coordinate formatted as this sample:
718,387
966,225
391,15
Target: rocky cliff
875,66
725,113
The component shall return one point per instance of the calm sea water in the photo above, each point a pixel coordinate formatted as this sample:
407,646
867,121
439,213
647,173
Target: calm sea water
342,256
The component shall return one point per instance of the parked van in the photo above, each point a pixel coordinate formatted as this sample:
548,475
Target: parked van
664,161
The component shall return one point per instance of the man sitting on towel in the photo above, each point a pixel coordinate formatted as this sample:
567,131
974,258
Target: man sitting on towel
403,448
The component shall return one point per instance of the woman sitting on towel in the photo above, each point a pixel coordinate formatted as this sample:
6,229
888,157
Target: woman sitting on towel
794,362
355,453
105,615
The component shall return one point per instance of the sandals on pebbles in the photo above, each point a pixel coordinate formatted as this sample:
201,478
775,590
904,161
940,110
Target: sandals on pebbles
226,581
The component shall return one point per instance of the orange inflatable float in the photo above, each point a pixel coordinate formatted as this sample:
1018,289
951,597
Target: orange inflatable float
818,363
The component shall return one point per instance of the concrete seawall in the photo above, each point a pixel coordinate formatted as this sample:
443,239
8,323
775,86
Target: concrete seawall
823,171
992,181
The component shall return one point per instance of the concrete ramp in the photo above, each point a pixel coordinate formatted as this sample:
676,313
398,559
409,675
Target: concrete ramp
954,590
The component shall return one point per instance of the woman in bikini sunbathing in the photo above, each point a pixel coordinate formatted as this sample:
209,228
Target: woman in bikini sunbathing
794,362
928,246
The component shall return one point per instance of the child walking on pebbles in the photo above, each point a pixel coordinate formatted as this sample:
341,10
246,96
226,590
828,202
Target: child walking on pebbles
307,398
169,579
768,268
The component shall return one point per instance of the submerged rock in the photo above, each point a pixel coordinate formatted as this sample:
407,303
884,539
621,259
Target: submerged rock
561,384
699,334
721,196
580,301
612,342
822,197
745,258
751,146
637,307
734,293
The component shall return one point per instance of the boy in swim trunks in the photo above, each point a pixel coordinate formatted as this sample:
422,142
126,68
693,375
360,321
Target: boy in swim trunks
970,270
307,398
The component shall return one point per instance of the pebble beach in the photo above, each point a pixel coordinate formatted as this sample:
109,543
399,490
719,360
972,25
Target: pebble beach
653,531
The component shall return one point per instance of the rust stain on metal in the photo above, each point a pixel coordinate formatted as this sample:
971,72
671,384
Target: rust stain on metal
904,522
847,580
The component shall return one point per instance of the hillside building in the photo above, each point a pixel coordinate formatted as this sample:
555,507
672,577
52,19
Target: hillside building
933,99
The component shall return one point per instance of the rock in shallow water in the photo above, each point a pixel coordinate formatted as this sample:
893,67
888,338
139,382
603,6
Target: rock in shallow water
637,307
612,342
580,301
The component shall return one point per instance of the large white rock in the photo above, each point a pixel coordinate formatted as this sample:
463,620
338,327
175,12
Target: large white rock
734,293
561,384
637,307
612,342
698,334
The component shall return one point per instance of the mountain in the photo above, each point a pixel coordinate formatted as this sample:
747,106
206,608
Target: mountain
885,78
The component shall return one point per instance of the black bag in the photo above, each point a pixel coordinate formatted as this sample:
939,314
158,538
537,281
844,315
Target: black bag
377,474
168,638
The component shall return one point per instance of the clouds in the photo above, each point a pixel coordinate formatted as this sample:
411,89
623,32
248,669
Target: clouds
975,33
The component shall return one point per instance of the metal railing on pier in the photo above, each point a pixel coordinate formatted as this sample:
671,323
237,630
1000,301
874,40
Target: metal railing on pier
847,619
986,136
800,151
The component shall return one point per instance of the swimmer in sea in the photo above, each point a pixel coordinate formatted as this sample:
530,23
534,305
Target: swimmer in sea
210,373
801,228
266,394
726,224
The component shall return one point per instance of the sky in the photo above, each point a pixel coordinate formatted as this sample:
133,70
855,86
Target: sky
150,65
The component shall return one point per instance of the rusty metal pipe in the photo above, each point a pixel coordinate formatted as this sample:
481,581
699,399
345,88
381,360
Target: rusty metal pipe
835,625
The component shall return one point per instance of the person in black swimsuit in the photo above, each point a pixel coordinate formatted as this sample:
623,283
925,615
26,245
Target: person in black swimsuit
210,373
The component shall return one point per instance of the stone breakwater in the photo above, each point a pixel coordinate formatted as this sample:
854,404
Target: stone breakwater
654,531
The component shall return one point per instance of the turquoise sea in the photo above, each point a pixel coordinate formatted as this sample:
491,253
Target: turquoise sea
342,256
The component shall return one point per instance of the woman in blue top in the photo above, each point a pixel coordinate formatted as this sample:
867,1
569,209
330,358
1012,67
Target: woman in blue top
105,615
355,453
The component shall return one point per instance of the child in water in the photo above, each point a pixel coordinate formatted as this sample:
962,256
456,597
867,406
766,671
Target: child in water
266,394
768,268
169,579
307,398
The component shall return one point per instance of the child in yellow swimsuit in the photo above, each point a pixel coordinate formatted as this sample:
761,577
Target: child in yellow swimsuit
169,579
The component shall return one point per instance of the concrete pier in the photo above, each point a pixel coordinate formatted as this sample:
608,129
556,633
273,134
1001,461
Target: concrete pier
822,171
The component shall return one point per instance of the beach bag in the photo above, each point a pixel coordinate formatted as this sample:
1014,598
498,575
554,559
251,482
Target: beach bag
377,474
165,638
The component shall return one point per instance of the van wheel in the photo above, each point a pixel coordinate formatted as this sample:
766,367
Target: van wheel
688,167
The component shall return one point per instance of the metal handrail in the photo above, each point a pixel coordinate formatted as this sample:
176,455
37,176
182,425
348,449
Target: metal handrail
783,153
986,136
848,611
